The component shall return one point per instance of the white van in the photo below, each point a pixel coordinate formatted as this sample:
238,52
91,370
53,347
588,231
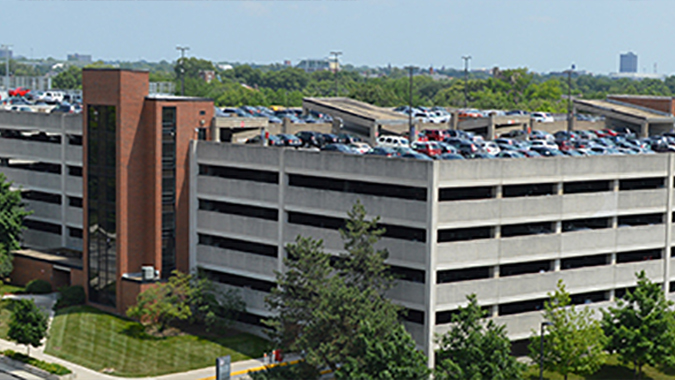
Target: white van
51,96
391,141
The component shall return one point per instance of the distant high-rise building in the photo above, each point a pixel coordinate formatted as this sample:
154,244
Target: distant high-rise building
628,63
4,53
79,57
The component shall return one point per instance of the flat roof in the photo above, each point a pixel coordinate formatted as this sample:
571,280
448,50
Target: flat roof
70,262
176,98
626,109
358,109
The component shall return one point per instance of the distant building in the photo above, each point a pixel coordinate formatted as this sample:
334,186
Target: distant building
4,53
628,63
207,75
79,57
312,65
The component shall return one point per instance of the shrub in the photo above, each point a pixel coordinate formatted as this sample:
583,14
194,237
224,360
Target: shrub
38,286
54,368
71,296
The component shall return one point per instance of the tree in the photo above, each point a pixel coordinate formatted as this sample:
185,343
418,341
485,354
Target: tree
575,341
12,213
391,357
184,298
361,265
28,324
641,328
319,309
70,78
473,349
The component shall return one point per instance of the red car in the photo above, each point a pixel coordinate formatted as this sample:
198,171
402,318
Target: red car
430,148
436,134
19,92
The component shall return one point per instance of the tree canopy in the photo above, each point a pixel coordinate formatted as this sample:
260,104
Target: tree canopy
641,327
11,223
475,349
574,340
28,325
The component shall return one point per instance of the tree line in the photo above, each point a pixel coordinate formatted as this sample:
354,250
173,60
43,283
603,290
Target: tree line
286,86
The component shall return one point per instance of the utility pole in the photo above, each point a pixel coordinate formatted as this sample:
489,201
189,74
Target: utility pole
570,117
182,67
411,128
335,55
6,48
466,59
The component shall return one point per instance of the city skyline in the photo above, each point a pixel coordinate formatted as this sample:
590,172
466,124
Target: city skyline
544,36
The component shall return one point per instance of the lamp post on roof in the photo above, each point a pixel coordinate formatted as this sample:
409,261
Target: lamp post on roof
182,49
335,55
6,48
466,59
570,116
411,128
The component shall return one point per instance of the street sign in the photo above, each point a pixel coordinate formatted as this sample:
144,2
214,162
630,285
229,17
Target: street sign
223,367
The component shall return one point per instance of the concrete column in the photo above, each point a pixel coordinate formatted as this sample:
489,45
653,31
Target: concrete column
494,311
431,246
612,259
498,191
495,271
454,121
556,265
558,188
64,173
285,125
612,295
281,215
194,205
498,231
558,227
491,128
215,132
644,129
669,224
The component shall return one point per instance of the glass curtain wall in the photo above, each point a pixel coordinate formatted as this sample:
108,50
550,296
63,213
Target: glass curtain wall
168,190
101,180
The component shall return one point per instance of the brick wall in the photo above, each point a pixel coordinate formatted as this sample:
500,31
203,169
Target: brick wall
663,104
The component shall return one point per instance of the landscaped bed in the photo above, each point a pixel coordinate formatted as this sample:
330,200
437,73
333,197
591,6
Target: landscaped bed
108,343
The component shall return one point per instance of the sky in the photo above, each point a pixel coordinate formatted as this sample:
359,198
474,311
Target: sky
541,35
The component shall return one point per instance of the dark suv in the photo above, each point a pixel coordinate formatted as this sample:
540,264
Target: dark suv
310,138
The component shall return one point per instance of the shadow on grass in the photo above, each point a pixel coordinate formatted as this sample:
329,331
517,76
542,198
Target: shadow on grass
137,331
616,372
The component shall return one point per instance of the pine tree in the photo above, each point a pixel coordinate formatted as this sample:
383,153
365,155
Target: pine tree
574,342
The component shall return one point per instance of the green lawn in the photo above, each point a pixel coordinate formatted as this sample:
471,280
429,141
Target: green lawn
5,316
97,340
612,370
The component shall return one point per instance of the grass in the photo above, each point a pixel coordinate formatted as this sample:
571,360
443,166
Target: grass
104,342
10,289
5,317
612,370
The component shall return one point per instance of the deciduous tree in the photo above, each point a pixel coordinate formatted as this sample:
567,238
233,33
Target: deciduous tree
641,328
475,349
28,325
12,213
574,342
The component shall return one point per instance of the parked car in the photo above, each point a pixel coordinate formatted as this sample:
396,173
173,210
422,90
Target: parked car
383,151
392,141
310,138
542,117
342,148
290,140
430,148
360,147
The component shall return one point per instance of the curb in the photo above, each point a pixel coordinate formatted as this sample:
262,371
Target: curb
34,370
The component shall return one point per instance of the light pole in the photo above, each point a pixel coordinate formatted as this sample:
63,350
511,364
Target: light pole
570,119
335,55
541,354
466,59
182,67
6,47
411,128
